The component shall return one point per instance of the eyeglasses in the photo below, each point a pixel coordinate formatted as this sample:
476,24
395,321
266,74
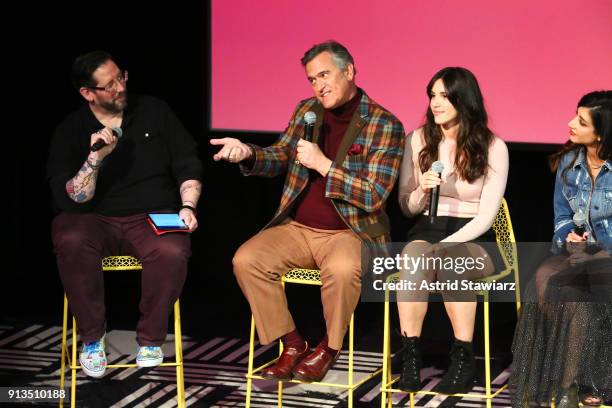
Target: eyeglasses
112,87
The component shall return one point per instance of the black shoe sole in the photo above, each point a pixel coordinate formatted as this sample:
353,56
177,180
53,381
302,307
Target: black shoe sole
412,388
459,390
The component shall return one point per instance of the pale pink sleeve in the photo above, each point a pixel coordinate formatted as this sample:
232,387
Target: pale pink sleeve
412,198
491,196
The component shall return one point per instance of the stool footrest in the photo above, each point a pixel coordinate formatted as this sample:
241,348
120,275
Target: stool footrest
345,386
387,388
131,365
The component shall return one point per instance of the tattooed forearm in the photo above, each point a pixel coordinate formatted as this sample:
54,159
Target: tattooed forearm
82,186
191,185
190,192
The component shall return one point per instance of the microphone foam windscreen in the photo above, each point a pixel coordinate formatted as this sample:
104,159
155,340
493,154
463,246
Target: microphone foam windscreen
437,166
118,132
579,218
310,118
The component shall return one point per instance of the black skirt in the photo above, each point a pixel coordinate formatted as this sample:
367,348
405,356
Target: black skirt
566,336
442,227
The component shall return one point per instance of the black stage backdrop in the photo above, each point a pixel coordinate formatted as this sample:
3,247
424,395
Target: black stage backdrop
167,51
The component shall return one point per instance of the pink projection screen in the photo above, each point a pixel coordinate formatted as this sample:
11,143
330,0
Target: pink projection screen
533,59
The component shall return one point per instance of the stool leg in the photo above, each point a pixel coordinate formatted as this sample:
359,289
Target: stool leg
64,352
280,351
389,372
517,291
178,350
250,365
351,349
280,383
487,350
73,370
386,353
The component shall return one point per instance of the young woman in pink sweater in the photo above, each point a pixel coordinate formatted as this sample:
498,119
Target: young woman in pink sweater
472,186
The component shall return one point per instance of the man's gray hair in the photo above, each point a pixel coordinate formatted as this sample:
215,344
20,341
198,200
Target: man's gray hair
340,55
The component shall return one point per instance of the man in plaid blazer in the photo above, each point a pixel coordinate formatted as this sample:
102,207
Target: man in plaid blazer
333,202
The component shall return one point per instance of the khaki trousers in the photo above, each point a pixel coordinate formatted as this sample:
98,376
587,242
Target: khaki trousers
260,263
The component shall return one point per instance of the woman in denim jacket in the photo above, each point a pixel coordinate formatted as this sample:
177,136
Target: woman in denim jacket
575,191
563,342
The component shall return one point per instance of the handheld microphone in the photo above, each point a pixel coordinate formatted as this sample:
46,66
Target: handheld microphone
580,220
434,194
117,131
310,118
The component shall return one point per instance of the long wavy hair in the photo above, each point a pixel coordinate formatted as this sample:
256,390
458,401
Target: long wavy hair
599,104
474,136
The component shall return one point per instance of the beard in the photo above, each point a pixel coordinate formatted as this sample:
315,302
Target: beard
117,104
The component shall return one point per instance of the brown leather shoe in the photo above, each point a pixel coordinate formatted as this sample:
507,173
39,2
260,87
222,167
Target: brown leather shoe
288,359
314,367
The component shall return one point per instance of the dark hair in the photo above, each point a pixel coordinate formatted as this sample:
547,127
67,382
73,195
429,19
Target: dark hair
341,56
84,66
599,104
474,136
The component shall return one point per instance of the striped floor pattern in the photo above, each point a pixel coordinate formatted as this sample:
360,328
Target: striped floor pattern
214,375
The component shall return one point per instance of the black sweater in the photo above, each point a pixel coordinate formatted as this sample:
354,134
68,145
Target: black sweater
143,173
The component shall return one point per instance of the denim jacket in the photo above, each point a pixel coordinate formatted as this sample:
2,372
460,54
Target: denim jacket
575,193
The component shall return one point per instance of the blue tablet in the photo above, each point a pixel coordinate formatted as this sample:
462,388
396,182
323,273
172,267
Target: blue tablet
167,221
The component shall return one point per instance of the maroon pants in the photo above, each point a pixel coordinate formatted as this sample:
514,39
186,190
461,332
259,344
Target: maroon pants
82,240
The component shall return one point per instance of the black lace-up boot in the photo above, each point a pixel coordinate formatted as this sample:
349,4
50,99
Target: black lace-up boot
459,377
410,378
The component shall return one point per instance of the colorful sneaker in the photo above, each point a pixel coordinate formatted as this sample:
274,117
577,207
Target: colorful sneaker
149,356
93,358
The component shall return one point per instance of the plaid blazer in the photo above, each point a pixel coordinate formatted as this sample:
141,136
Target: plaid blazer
361,175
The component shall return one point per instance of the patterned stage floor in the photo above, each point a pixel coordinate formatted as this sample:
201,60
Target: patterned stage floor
214,375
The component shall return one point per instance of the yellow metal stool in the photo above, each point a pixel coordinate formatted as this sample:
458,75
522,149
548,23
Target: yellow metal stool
119,263
507,247
304,277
